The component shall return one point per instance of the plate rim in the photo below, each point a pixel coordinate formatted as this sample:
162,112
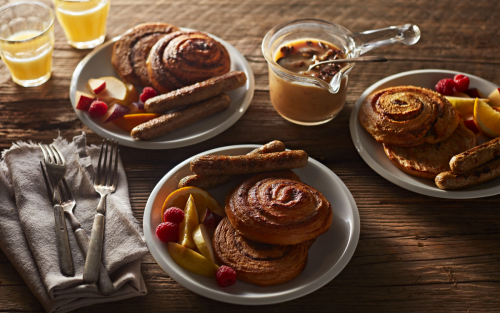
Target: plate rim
354,127
283,296
149,145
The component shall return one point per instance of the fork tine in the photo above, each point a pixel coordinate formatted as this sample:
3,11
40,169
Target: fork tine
109,174
114,177
97,178
47,183
45,156
58,155
49,152
67,191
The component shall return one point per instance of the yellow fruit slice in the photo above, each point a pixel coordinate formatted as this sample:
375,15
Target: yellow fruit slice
460,94
202,200
464,106
495,98
203,239
190,260
487,119
188,225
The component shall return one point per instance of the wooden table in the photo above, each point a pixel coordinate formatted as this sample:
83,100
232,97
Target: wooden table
415,253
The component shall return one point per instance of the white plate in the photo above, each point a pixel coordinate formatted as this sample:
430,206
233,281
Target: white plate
98,64
327,257
373,153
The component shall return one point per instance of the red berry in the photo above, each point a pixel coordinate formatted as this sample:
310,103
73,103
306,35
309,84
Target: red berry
174,215
226,276
147,93
461,82
168,231
445,86
98,108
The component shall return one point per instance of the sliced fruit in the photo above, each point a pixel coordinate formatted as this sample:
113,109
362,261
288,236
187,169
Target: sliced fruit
487,119
187,226
129,121
136,108
191,261
203,240
132,95
83,100
464,106
208,219
495,98
115,111
460,94
475,93
202,199
470,124
96,85
116,91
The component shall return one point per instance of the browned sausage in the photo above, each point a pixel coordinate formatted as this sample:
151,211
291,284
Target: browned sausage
195,93
476,156
212,181
478,175
172,121
245,164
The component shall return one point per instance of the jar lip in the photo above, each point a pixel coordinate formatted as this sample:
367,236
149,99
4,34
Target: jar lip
266,50
40,4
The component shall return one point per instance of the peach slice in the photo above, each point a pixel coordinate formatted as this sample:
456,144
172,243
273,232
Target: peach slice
487,119
464,106
129,121
188,225
132,95
203,239
190,260
495,98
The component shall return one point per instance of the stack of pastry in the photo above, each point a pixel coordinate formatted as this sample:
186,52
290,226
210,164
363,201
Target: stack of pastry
272,220
419,128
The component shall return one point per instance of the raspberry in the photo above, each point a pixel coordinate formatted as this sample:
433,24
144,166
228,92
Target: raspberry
168,231
98,108
226,276
147,93
174,215
461,82
445,86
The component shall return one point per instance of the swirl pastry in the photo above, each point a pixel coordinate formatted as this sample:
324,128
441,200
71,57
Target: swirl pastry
131,51
408,116
428,160
277,208
258,263
184,58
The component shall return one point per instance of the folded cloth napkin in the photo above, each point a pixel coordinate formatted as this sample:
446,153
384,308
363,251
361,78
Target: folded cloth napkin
27,235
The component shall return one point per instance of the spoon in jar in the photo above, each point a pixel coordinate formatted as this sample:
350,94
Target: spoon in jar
359,59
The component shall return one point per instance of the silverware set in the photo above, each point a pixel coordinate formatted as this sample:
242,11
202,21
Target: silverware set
62,198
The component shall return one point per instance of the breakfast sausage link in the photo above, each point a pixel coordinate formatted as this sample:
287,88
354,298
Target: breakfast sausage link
212,181
478,175
169,122
195,93
476,156
245,164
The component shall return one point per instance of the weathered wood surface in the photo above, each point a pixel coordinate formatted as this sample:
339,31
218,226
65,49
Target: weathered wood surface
415,253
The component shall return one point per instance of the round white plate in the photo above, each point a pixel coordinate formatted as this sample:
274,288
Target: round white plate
373,153
98,64
327,257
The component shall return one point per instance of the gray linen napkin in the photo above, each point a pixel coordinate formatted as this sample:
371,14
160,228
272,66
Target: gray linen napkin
27,233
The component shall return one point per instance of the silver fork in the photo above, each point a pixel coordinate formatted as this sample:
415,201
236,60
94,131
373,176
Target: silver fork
56,168
104,184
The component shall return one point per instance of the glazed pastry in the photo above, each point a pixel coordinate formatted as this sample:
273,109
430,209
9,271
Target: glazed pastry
184,58
428,160
408,116
258,263
277,208
131,51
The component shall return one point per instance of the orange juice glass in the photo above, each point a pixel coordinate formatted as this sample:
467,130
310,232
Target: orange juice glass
27,41
83,21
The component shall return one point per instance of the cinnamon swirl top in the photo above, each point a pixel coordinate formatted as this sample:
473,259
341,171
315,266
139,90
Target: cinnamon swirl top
408,116
258,263
184,58
277,208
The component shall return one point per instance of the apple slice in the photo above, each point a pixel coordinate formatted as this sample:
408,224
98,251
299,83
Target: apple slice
96,85
203,240
495,98
191,261
132,95
83,100
188,225
115,111
475,93
208,219
116,91
136,108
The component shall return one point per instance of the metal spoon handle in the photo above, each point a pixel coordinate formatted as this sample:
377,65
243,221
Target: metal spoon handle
352,60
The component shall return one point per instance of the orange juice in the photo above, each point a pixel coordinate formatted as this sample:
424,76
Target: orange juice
83,22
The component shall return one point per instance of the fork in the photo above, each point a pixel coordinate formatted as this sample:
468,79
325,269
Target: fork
104,184
56,168
68,203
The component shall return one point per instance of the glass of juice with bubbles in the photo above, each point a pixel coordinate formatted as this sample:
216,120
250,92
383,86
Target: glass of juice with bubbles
83,21
27,41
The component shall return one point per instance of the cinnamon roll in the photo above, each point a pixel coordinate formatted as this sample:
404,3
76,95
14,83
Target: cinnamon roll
184,58
277,208
131,51
408,116
258,263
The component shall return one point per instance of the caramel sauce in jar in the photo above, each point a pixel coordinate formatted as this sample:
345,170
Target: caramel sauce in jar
302,103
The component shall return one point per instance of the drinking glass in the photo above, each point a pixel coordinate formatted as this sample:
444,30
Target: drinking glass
27,41
83,21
